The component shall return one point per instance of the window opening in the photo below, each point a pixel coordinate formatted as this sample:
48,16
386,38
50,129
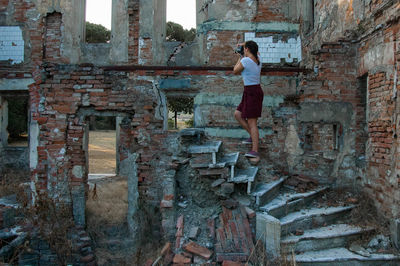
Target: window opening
181,26
17,127
180,113
102,146
98,21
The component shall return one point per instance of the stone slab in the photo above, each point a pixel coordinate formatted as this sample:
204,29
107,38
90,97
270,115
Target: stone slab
292,217
208,147
265,192
333,236
306,219
282,201
223,172
230,158
191,132
343,256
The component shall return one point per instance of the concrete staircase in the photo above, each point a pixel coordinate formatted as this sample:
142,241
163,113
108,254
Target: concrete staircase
289,223
206,158
292,223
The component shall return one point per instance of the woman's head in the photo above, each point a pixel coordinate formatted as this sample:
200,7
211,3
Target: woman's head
252,48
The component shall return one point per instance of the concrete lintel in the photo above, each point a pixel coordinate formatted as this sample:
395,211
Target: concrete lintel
174,83
248,26
234,133
15,84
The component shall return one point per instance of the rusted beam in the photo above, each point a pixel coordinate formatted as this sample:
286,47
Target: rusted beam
200,68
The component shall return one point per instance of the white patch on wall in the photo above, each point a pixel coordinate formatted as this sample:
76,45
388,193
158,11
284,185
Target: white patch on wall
11,44
272,52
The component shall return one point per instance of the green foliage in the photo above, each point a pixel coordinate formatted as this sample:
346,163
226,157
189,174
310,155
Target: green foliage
176,33
17,116
171,123
181,104
102,123
190,123
96,33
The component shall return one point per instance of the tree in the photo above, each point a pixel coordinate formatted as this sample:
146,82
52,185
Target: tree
181,104
96,33
176,33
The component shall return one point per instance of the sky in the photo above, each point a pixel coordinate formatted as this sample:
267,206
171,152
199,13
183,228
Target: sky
179,11
182,12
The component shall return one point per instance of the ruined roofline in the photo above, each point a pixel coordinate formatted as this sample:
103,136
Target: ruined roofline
264,69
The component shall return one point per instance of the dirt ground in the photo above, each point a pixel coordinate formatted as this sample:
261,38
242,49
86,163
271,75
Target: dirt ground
102,155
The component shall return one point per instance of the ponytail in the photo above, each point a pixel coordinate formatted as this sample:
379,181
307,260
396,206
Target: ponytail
253,48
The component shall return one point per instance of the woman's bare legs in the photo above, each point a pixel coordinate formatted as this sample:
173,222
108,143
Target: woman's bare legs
242,122
253,130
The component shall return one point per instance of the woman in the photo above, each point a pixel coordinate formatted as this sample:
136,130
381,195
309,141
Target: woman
249,109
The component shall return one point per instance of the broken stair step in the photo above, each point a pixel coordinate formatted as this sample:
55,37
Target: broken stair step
333,236
343,256
267,191
290,202
208,147
244,175
230,159
309,218
191,132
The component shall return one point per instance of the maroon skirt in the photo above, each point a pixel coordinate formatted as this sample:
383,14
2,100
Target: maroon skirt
251,104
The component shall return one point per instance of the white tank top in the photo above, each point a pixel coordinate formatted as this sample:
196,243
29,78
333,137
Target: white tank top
251,71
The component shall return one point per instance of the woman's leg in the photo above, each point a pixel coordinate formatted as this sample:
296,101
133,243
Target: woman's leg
242,122
252,123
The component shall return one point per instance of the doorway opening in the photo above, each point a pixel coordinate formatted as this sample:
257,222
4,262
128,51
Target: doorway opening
17,127
102,146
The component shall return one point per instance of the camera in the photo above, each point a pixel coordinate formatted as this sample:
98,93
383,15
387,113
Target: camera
240,50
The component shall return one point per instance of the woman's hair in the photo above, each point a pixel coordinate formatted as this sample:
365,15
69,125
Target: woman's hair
253,47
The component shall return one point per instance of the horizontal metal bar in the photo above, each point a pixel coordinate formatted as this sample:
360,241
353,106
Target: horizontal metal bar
200,68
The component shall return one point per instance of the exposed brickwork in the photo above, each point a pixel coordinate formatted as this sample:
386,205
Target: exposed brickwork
133,12
272,10
52,42
221,45
234,237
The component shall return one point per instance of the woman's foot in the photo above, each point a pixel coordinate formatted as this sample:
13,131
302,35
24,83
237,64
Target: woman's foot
247,141
252,154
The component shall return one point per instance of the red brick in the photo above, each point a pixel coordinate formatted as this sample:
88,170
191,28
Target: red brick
196,249
180,259
179,222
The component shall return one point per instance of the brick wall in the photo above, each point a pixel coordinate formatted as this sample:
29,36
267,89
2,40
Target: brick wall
272,10
52,39
382,180
374,61
133,13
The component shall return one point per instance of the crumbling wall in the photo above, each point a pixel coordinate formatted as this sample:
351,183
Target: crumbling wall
379,54
224,24
372,26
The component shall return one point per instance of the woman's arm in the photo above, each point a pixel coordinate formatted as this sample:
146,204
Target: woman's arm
238,68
